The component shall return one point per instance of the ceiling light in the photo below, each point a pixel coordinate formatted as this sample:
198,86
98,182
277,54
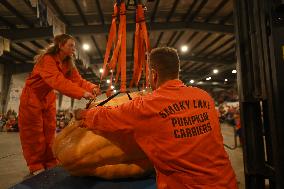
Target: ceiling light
191,81
200,82
101,70
226,79
114,91
215,71
108,81
234,71
86,46
112,87
184,48
208,78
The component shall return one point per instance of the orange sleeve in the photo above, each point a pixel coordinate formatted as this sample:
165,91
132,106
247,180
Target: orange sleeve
113,119
76,78
56,80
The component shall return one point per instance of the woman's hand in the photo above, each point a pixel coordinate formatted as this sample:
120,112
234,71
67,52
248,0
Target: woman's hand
88,95
96,91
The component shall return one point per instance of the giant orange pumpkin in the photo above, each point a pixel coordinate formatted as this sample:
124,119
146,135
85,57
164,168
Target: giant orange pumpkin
85,153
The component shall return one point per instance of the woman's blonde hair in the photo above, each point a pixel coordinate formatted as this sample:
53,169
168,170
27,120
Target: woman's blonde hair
54,49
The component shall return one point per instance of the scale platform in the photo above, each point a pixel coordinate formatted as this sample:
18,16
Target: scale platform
58,178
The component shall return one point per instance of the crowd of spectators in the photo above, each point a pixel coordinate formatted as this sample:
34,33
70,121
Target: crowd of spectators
227,105
228,109
62,119
221,96
9,122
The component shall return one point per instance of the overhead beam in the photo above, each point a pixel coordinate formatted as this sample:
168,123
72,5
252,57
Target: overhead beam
79,10
28,3
185,19
24,34
210,44
13,49
191,37
229,40
189,11
196,12
153,16
14,11
157,26
28,49
218,9
159,39
182,58
167,20
100,11
58,11
97,46
77,5
172,10
201,40
172,38
6,22
37,44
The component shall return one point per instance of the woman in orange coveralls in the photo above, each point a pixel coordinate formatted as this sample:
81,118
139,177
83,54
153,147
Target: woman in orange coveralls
54,69
176,126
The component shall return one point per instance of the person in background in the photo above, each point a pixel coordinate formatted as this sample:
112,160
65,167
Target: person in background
11,124
2,122
60,126
176,126
239,131
54,70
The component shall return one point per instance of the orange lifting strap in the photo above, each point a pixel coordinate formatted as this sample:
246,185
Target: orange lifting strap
119,52
118,58
141,48
111,40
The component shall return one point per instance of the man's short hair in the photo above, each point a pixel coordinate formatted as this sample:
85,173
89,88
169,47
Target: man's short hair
165,61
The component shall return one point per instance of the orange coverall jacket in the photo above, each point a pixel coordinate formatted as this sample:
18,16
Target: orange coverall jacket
51,74
178,128
37,110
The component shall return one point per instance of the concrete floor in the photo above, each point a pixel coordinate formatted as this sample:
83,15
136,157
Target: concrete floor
13,166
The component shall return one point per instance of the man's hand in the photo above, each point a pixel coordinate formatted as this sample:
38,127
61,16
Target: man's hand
79,114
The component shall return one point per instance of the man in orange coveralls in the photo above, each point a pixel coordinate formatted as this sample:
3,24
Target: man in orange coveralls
176,126
54,69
